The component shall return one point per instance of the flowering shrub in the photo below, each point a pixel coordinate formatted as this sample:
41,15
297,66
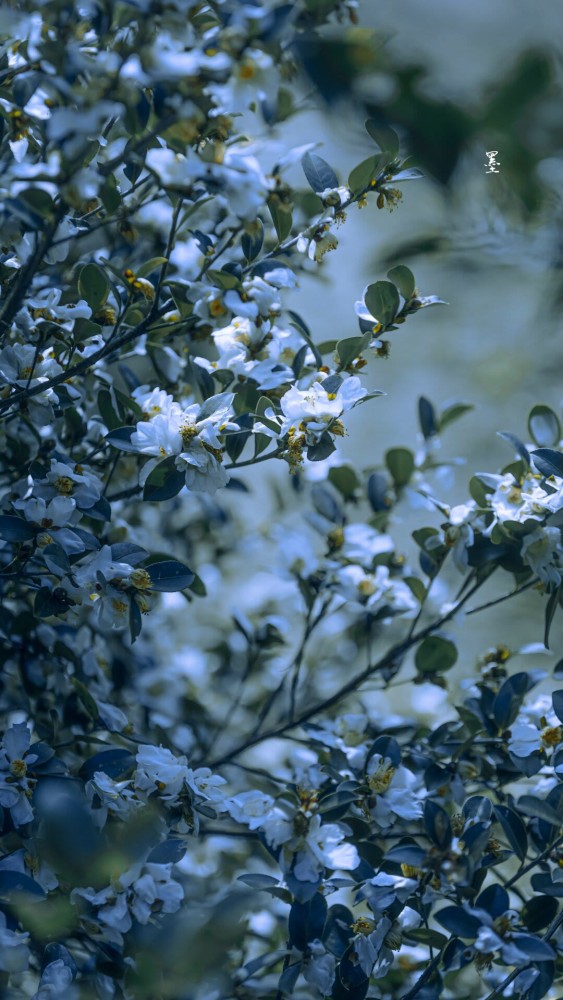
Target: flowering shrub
199,797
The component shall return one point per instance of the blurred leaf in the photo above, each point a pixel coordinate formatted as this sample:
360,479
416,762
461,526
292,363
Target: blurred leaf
435,655
544,426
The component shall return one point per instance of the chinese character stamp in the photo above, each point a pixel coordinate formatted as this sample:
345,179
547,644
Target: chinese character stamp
492,162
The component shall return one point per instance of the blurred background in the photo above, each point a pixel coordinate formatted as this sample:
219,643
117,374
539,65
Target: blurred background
455,81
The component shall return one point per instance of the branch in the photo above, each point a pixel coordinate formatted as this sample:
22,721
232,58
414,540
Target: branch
426,975
395,653
82,366
26,273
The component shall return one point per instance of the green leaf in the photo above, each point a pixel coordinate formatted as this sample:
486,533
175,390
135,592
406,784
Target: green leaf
548,461
351,348
385,137
479,491
135,620
514,830
223,279
453,412
550,610
107,412
110,194
169,576
86,698
252,239
15,529
382,301
154,264
318,172
345,480
403,278
361,177
427,418
281,217
435,655
437,824
400,463
197,586
544,426
121,438
164,482
416,587
93,286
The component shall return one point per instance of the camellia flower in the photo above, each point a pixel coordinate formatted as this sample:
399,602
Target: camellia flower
541,551
314,409
15,759
191,433
396,789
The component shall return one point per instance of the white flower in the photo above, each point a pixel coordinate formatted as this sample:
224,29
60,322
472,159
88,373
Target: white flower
319,968
250,808
159,770
15,759
316,409
397,791
56,980
115,798
540,551
69,481
374,958
324,847
362,543
238,176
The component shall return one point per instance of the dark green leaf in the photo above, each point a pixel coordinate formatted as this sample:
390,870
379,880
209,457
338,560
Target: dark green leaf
531,805
458,921
557,698
517,444
252,239
437,824
169,576
382,301
378,492
117,762
135,620
121,438
435,655
351,348
453,412
15,529
362,176
93,286
168,852
403,278
514,830
509,698
427,418
306,921
400,463
544,426
281,217
548,461
318,172
538,912
322,449
17,884
164,482
385,137
258,881
550,610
